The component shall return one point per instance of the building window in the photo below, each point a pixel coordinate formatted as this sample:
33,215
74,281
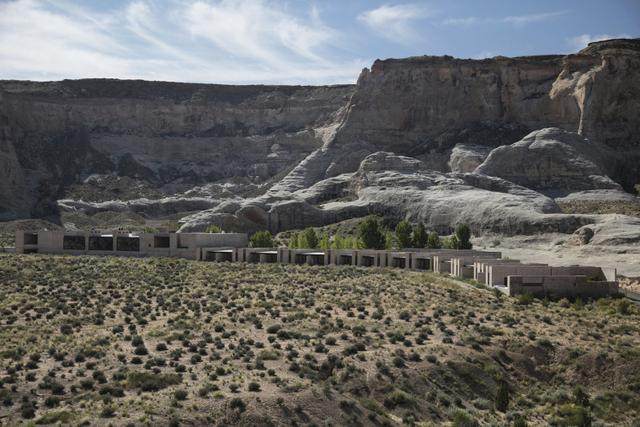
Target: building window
30,238
161,241
73,243
100,243
128,244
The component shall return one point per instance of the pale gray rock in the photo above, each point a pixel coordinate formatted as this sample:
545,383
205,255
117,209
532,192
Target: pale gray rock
466,158
552,161
402,187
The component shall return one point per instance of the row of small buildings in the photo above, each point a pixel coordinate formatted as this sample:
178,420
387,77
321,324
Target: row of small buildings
489,268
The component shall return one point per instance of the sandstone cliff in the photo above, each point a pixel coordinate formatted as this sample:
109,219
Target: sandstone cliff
57,133
315,155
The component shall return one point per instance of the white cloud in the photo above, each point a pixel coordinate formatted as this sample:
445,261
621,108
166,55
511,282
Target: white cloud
516,20
182,40
534,17
581,41
461,21
395,22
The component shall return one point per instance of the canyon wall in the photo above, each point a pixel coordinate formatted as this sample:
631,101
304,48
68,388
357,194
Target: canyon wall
176,138
57,133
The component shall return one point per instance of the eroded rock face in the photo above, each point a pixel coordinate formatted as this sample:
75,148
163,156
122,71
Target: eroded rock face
403,187
552,161
55,134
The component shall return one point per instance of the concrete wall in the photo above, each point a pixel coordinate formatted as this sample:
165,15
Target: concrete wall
497,274
480,267
560,286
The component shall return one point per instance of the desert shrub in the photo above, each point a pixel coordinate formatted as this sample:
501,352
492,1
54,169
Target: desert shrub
525,299
107,412
403,234
261,239
152,382
56,417
180,394
571,415
502,397
580,396
463,419
370,233
398,398
254,386
237,404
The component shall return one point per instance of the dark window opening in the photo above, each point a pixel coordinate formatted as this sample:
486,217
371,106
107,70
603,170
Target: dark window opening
268,258
423,263
128,244
398,262
218,256
368,261
30,238
161,242
300,259
75,243
345,260
100,243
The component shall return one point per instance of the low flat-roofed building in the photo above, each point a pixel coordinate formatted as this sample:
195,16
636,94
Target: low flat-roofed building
124,243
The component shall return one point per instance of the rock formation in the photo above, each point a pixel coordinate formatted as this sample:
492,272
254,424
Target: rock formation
552,161
489,142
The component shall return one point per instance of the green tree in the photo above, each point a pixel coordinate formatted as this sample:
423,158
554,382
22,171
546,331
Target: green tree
261,239
450,242
502,397
389,240
293,241
308,239
370,233
420,236
403,234
433,242
213,229
338,242
325,242
463,234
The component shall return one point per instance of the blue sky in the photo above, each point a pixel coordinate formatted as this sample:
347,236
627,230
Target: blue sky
285,42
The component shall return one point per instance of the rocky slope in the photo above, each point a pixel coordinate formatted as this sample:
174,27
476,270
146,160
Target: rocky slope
442,140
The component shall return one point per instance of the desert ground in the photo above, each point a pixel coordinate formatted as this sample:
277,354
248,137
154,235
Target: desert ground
117,341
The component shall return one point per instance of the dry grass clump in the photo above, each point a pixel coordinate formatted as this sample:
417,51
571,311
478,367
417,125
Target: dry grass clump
153,341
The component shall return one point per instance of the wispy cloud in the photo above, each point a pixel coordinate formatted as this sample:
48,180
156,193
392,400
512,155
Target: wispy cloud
517,20
534,17
395,22
184,40
581,41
